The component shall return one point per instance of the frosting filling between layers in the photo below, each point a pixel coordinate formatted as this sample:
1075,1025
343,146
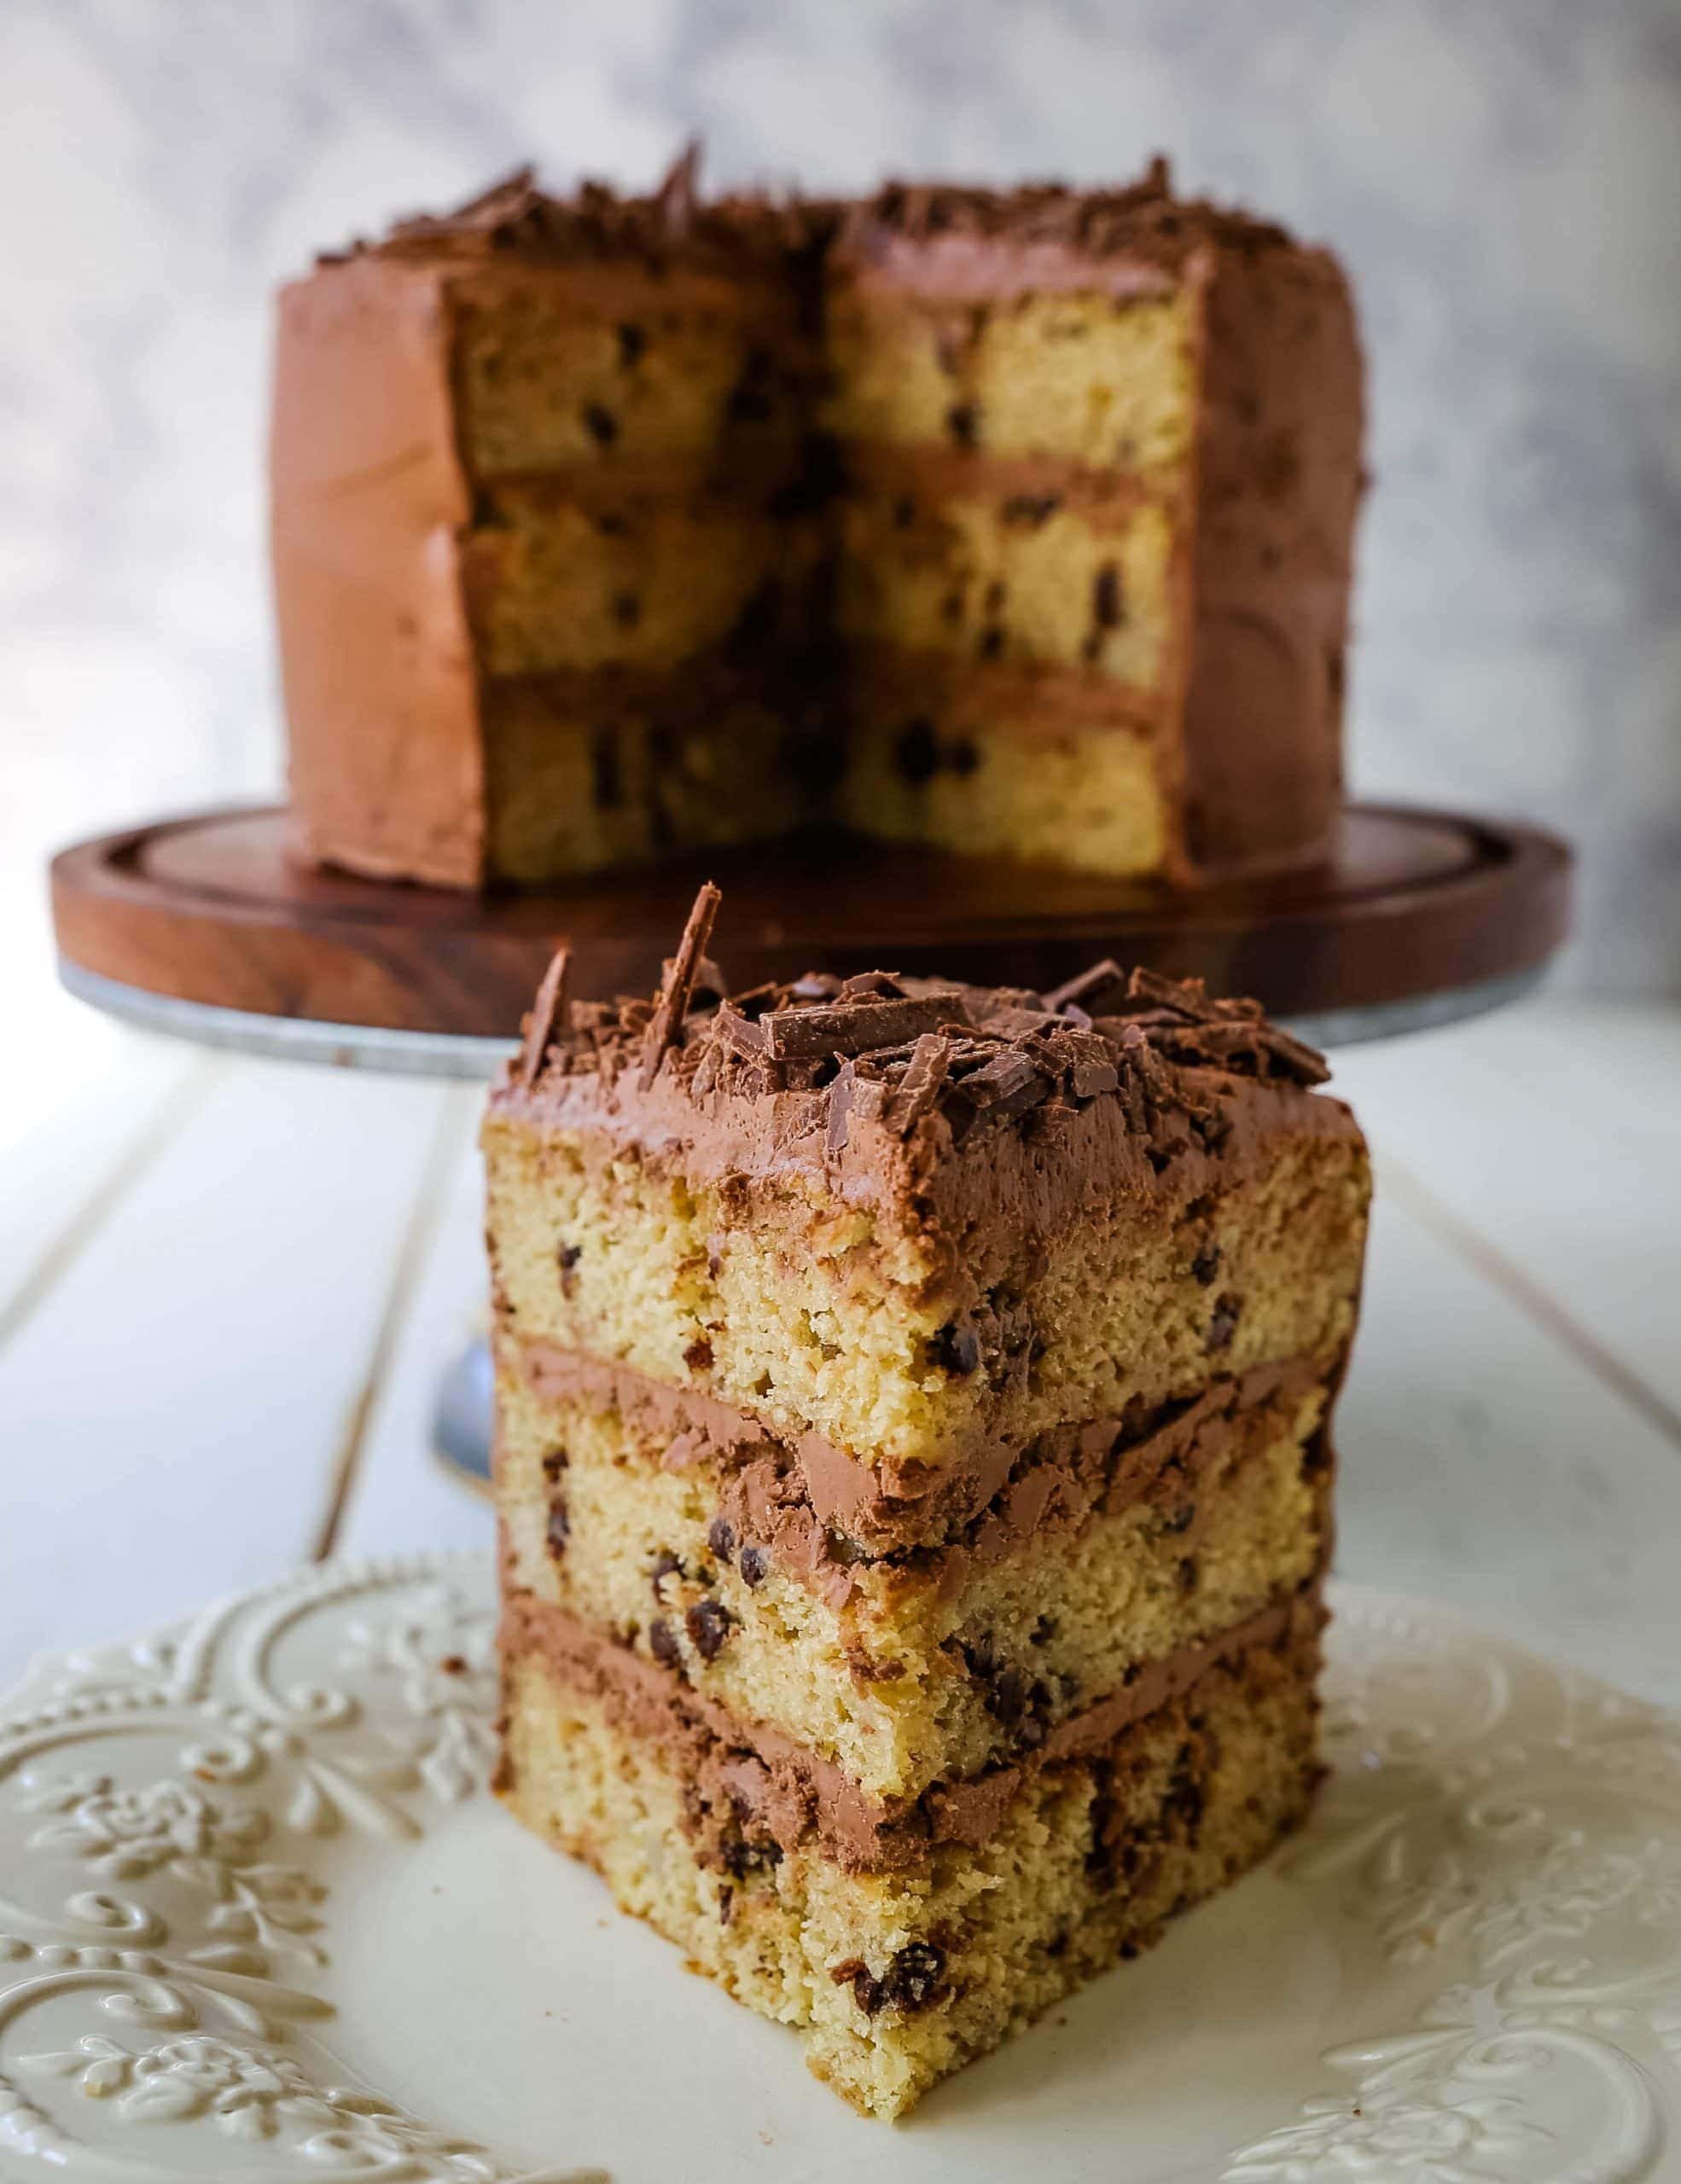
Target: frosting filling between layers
821,1511
761,1793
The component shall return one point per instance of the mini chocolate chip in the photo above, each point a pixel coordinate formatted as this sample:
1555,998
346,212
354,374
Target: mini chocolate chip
726,1904
962,758
601,425
757,621
662,1643
741,1857
1031,508
554,1464
454,1664
955,1348
632,343
721,1538
1224,1325
708,1623
916,753
913,1976
611,527
607,784
951,607
698,1356
961,421
664,1566
748,405
1175,1521
1188,1574
627,609
992,644
560,1527
1108,609
905,512
755,1563
566,1257
867,1990
1206,1264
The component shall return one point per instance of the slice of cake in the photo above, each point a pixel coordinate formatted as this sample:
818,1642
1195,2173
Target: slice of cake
913,1465
540,558
1104,455
1020,523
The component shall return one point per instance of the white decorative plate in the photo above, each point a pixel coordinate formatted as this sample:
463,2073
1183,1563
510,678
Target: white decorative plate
260,1919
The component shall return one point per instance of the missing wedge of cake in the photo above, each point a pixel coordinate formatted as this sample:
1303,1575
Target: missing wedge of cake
914,1470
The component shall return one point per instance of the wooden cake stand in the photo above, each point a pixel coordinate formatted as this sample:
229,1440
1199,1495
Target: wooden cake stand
204,927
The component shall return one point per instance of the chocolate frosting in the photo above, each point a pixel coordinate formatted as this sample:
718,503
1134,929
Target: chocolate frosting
824,1515
954,1107
958,239
751,1785
515,220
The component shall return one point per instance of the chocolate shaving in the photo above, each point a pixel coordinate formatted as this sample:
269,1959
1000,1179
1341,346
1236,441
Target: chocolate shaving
673,1004
853,1027
548,1011
900,1049
676,196
1090,990
919,1088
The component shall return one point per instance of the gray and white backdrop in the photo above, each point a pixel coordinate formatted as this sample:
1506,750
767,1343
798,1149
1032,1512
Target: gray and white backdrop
1502,176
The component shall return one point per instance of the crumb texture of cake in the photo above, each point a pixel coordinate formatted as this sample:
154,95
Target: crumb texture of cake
1058,486
913,1469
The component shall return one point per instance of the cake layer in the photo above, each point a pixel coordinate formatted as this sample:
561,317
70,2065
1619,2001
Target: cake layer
553,581
606,364
898,1977
1028,783
907,1668
1107,382
586,772
907,1296
1033,578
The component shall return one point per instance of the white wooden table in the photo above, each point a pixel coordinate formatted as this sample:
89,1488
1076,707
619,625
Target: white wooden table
228,1289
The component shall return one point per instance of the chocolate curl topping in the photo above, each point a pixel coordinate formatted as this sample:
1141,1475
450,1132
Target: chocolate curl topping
672,1005
675,195
548,1011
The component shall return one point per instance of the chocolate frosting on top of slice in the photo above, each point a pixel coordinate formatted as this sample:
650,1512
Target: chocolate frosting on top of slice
899,1050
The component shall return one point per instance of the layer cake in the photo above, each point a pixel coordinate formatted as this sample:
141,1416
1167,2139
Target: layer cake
1019,522
913,1465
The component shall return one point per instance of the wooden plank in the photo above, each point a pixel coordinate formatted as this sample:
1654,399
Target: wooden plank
1485,1465
1553,1131
402,1495
173,1410
66,1164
